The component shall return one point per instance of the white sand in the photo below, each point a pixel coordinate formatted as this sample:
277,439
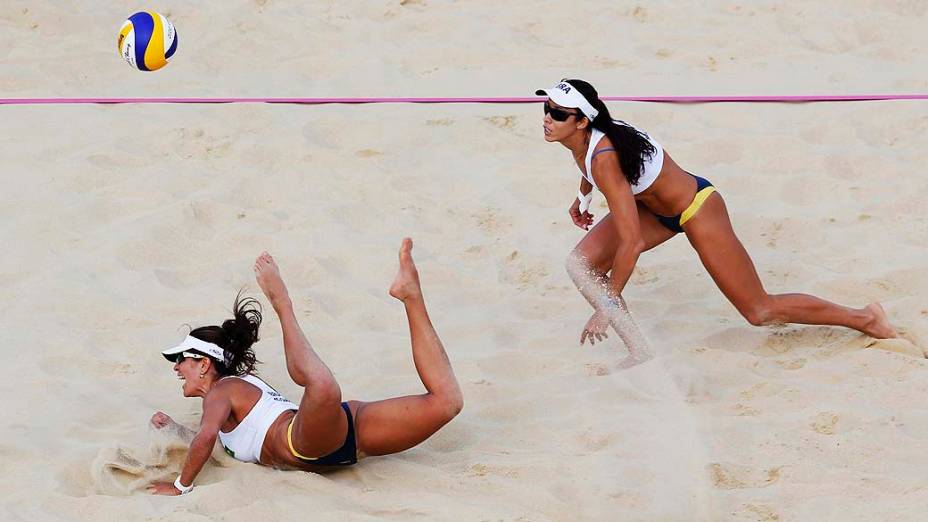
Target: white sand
123,223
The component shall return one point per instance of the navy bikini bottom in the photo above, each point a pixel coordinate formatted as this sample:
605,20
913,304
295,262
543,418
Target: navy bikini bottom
343,456
704,189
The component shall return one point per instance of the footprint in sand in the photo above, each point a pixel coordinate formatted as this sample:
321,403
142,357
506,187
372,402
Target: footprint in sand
482,470
502,122
743,410
787,337
792,364
734,476
491,220
523,273
638,13
825,423
756,512
595,440
762,390
190,143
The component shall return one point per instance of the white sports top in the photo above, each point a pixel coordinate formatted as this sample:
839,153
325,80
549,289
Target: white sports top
245,441
649,170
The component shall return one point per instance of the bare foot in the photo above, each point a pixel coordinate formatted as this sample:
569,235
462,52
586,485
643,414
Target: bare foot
879,327
406,284
268,276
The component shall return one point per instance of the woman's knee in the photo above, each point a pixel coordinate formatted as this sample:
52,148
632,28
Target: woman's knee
448,405
760,313
580,266
454,405
323,391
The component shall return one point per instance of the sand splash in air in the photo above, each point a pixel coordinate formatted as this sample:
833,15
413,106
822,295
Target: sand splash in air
594,288
122,470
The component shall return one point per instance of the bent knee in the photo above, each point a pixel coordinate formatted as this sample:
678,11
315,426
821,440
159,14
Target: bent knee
579,267
456,405
448,407
761,314
325,394
575,262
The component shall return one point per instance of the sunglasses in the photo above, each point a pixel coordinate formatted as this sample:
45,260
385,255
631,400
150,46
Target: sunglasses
188,355
558,114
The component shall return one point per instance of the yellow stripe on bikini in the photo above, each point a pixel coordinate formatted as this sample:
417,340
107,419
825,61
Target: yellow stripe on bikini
290,443
696,204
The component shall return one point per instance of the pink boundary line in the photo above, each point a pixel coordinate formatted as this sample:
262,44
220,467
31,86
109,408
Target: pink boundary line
321,101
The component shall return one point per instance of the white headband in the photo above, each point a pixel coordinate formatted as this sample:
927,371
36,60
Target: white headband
192,343
566,95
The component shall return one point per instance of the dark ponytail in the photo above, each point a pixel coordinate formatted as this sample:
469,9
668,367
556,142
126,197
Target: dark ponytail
235,336
633,146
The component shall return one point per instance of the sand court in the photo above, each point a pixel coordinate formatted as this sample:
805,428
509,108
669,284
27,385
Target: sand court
124,223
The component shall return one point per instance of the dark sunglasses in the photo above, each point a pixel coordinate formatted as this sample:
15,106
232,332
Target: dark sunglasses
558,114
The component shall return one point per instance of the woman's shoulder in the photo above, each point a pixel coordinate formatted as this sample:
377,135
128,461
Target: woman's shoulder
604,143
232,389
603,150
230,383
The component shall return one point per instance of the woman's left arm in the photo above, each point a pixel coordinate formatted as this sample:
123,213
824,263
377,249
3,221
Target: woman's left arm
618,193
217,406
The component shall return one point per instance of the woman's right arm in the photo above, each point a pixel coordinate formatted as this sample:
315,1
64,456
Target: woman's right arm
618,193
579,212
585,186
217,406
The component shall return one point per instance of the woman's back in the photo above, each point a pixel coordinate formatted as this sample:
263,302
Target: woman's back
245,440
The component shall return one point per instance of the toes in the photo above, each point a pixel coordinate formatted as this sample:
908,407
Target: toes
263,260
406,246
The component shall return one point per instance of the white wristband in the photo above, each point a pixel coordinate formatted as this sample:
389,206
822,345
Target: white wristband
182,488
585,200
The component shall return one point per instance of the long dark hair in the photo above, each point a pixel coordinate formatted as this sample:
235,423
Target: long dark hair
633,146
235,336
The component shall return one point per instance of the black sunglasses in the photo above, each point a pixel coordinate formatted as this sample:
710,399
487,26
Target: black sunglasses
558,114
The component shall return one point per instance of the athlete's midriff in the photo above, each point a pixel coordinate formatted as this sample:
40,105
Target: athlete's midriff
671,192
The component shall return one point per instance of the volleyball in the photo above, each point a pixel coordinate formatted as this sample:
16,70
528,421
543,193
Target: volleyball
147,40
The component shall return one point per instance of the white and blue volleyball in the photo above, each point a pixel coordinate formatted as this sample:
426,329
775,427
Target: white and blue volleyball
147,40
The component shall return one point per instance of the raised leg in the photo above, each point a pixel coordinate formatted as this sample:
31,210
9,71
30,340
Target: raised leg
397,424
320,426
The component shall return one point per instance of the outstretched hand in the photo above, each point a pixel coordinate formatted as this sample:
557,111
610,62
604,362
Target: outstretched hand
595,329
160,420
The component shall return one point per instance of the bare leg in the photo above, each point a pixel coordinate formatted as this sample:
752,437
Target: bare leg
397,424
320,426
729,264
